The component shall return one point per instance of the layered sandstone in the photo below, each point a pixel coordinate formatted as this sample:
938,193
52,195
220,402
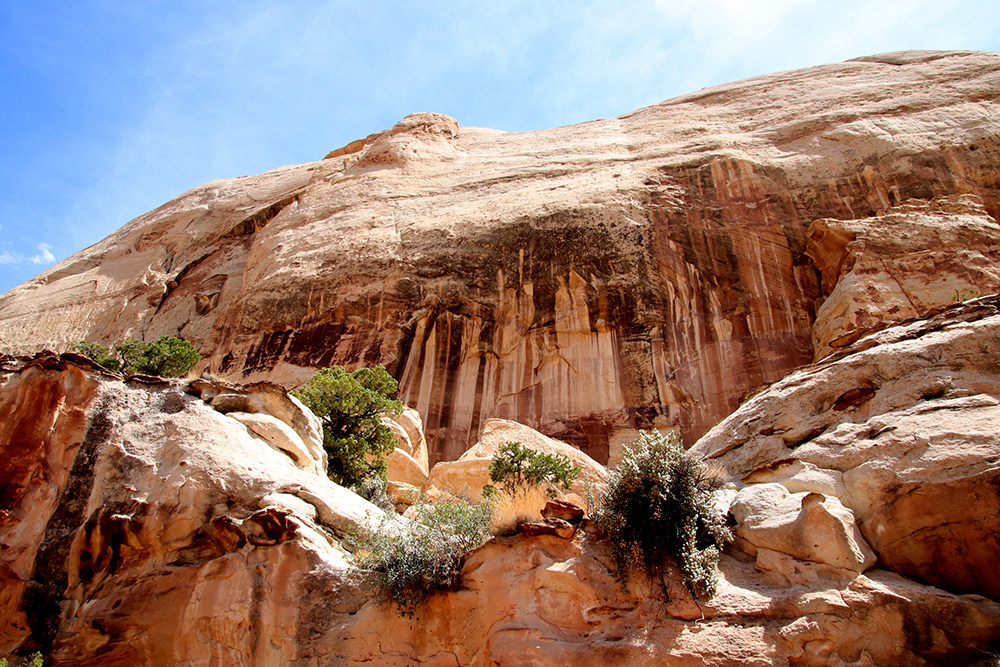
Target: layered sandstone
118,493
903,430
588,281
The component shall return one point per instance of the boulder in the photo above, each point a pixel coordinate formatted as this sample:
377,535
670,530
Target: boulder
806,526
549,526
405,469
917,460
469,474
561,508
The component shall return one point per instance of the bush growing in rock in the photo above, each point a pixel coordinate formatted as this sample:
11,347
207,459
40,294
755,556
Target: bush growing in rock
35,661
659,505
409,561
526,478
167,356
517,468
351,406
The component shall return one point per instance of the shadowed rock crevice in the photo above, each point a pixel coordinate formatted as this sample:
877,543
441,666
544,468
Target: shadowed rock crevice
45,595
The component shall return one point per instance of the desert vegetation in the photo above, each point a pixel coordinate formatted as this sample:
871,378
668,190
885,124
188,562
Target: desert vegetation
167,356
409,561
659,508
33,661
351,406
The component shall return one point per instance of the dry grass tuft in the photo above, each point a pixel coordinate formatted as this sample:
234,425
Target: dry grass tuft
511,512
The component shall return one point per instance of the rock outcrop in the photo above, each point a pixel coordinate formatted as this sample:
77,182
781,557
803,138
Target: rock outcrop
638,272
144,523
471,472
903,430
117,493
799,260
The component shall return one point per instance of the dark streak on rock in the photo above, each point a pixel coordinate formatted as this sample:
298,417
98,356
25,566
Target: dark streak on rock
45,593
254,613
254,223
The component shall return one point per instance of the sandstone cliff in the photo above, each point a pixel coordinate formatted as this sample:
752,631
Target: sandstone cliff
643,271
146,523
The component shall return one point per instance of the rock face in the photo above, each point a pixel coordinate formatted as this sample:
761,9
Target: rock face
643,271
908,261
115,494
903,430
471,472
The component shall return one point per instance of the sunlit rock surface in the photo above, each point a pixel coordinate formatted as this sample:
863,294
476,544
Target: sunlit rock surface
144,523
587,281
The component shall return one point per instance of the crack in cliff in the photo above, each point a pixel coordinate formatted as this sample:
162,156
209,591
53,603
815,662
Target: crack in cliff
257,221
45,594
172,284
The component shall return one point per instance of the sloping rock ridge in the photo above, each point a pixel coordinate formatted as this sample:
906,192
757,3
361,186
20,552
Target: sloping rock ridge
588,281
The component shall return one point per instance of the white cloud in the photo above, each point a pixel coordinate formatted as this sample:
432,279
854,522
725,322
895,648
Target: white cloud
44,255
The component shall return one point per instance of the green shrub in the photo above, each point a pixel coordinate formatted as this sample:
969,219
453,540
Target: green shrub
102,355
517,469
351,406
167,356
659,505
35,661
373,489
409,561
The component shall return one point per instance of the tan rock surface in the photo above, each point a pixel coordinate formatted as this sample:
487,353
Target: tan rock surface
115,496
903,263
471,472
122,495
636,272
917,458
806,526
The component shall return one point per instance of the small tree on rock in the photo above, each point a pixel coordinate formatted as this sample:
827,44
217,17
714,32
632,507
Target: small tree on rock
517,468
167,356
351,406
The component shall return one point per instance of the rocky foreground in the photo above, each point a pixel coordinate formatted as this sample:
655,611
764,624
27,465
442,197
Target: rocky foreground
789,271
149,522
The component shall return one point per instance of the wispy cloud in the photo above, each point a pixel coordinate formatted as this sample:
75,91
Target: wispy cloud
44,256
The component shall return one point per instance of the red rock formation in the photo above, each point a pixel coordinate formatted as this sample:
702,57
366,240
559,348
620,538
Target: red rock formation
635,272
146,523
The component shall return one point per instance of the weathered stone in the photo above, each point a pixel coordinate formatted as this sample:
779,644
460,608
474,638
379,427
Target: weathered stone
561,508
917,461
807,526
404,468
632,273
645,271
900,264
549,526
238,548
280,436
471,472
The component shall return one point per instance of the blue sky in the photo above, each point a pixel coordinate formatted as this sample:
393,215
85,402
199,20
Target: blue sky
111,108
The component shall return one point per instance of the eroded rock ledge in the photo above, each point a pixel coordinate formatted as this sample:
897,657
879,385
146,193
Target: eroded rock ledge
118,493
